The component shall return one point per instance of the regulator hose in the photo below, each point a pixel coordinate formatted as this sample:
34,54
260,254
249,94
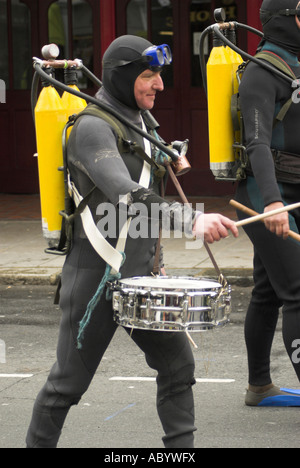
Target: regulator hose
217,30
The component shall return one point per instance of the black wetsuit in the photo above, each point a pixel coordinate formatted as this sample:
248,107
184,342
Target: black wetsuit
276,262
94,159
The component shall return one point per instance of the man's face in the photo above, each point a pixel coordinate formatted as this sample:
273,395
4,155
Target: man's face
146,86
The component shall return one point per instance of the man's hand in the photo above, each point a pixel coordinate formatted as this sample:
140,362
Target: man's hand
278,224
213,227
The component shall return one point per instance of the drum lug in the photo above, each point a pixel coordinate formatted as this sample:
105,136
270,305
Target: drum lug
118,302
148,308
185,309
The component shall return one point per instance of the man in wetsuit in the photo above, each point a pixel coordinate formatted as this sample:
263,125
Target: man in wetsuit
274,180
131,79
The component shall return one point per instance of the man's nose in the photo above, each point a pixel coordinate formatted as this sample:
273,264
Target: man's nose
158,83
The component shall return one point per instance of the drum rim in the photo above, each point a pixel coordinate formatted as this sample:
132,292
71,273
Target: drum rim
213,284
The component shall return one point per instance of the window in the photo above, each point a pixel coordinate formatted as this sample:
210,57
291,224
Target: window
70,26
200,19
21,45
15,37
4,65
201,16
153,20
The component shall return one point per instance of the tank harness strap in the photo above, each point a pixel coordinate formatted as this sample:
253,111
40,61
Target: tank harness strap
112,272
237,118
96,111
279,63
124,145
276,61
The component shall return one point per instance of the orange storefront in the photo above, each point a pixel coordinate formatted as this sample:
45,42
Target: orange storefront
83,29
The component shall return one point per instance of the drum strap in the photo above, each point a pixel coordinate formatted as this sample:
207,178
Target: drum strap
114,257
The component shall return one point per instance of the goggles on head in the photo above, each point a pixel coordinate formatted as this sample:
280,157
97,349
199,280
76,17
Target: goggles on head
158,56
155,57
268,14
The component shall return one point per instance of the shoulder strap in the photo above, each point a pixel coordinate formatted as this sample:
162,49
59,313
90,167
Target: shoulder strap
124,145
280,64
96,111
277,62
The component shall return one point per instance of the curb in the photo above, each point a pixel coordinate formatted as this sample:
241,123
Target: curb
30,276
51,277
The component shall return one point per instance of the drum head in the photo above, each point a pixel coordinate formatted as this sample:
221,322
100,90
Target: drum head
169,283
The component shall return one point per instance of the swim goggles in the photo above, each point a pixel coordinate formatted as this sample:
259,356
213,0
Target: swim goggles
154,57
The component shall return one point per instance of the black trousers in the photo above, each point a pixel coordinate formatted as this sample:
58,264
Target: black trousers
169,354
277,284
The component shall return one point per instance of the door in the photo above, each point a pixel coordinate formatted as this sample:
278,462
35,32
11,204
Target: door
182,108
25,26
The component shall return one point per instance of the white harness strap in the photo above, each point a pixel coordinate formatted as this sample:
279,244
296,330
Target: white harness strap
110,255
146,172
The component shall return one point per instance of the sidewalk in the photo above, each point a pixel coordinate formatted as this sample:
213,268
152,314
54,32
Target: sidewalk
23,260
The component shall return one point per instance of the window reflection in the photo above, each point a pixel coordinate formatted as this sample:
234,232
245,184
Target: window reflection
137,18
21,42
201,16
200,19
77,43
161,29
231,8
4,67
83,47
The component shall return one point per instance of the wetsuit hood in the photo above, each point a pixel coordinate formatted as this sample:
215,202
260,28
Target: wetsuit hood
280,29
119,80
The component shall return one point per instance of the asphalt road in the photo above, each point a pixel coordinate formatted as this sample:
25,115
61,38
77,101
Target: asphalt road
118,411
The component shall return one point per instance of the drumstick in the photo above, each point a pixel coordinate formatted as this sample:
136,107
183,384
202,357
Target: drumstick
191,340
254,215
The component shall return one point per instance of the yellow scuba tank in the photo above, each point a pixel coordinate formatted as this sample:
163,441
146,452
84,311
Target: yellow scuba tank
234,57
50,119
221,85
71,103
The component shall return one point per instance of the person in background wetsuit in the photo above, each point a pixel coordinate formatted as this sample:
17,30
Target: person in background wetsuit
271,185
130,85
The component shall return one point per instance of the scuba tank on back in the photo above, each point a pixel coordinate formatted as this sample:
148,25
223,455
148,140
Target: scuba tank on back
221,78
51,116
70,102
50,120
221,85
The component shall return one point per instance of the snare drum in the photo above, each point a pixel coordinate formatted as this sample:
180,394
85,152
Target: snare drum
172,304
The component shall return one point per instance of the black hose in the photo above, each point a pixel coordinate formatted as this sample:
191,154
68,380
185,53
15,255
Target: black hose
106,108
261,63
202,56
34,92
92,77
215,28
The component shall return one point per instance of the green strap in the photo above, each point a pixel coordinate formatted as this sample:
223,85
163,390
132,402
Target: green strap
281,65
95,111
124,145
277,62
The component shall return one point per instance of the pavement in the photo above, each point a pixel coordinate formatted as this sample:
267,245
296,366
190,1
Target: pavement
23,259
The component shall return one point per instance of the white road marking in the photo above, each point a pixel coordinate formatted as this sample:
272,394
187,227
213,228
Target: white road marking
15,376
153,379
